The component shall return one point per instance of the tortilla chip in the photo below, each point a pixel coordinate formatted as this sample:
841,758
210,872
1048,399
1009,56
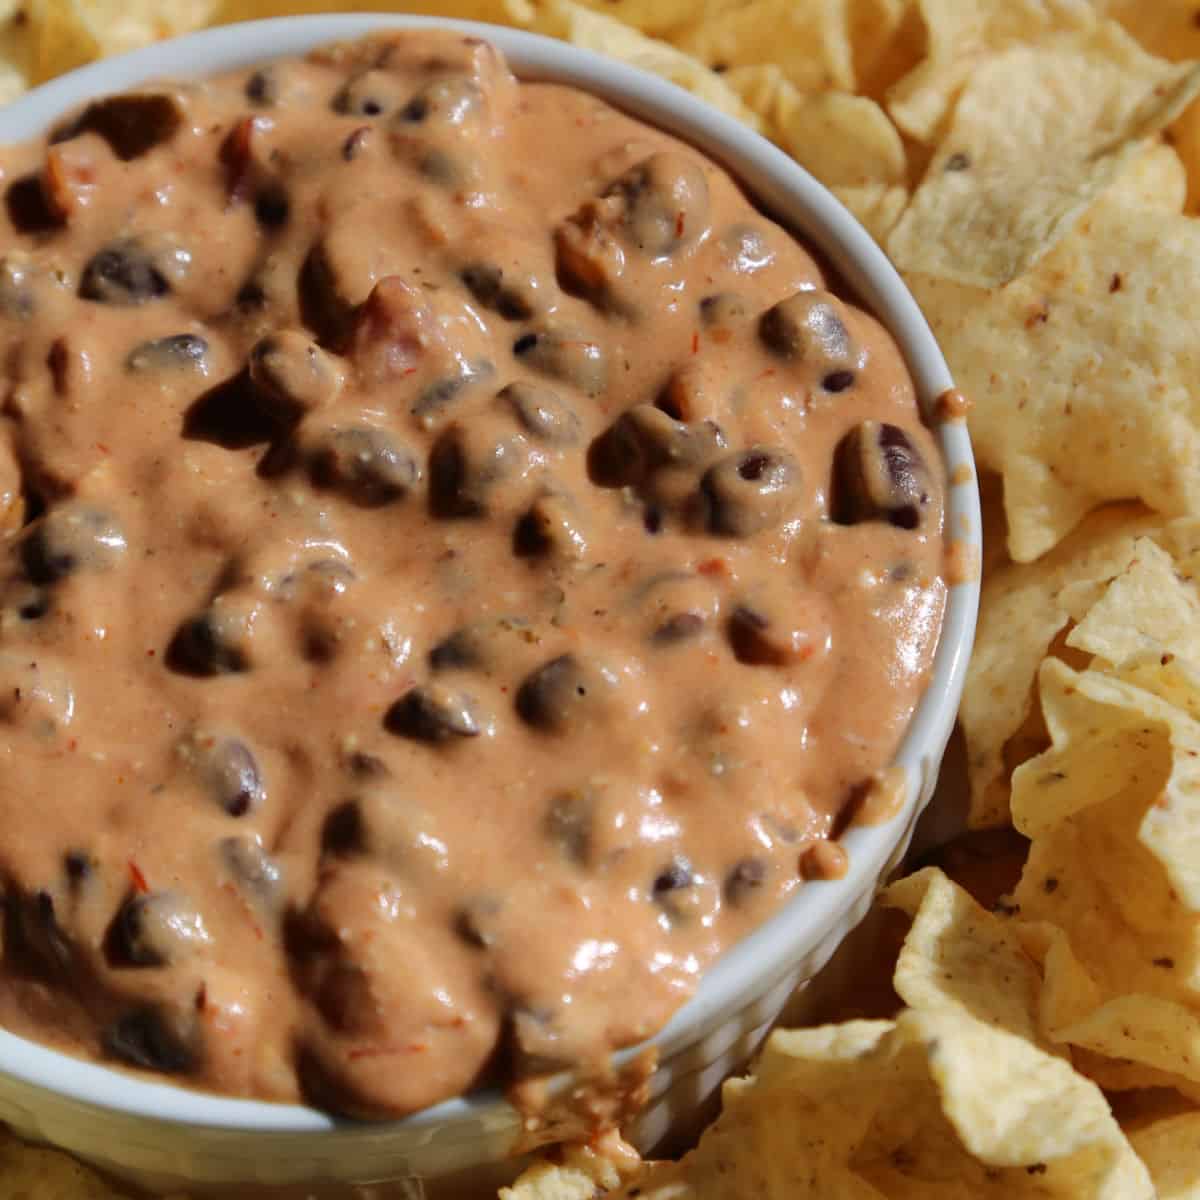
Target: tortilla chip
1170,1148
595,31
1022,609
1081,371
579,1173
63,34
936,1106
887,38
959,958
1148,611
809,40
1039,132
963,33
1113,875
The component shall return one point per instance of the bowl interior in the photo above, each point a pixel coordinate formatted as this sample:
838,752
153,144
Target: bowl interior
794,198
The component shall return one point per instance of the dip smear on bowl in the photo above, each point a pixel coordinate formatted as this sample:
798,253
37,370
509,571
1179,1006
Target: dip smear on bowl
459,566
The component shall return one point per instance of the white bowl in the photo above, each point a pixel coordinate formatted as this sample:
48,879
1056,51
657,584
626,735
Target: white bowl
166,1137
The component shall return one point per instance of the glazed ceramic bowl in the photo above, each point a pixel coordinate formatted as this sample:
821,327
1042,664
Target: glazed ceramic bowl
166,1137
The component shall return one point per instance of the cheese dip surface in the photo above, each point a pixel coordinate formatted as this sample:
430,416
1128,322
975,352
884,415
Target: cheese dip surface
457,560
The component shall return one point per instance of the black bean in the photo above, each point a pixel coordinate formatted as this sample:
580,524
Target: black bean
324,305
146,1037
188,351
155,929
568,824
435,713
512,297
212,643
564,354
467,463
751,490
745,878
125,272
33,603
747,247
344,831
558,696
356,143
369,94
675,875
77,865
666,202
465,649
364,464
233,776
755,641
41,933
722,309
542,413
455,172
251,866
262,88
808,326
132,123
679,627
292,375
439,395
272,206
878,474
476,921
645,439
29,208
68,538
550,527
451,100
317,581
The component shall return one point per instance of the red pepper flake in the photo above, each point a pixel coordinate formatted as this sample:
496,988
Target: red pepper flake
713,566
138,879
103,448
679,223
695,343
1115,283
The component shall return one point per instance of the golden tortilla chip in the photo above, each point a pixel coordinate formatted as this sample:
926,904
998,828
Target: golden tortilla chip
595,31
959,958
809,40
846,141
1081,371
935,1106
1023,608
1170,1148
1148,611
960,35
63,34
887,39
579,1173
1113,875
1039,132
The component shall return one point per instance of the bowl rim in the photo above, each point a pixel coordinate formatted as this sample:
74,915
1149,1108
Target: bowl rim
787,192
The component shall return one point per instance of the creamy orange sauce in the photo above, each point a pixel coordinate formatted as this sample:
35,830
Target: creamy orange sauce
456,561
